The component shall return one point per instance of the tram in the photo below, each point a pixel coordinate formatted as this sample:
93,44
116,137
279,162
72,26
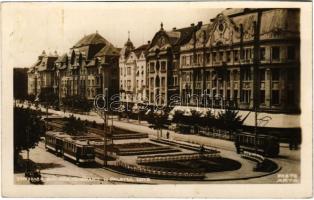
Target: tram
54,141
266,145
76,148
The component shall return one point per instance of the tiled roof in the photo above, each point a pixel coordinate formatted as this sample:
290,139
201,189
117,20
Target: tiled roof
232,11
140,49
47,63
108,50
185,36
62,58
91,63
93,38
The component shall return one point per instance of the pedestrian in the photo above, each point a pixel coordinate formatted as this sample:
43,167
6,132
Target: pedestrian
168,134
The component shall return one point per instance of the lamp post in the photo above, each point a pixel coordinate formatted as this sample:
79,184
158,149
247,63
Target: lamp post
103,113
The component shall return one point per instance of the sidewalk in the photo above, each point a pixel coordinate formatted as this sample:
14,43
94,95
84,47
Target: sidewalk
133,125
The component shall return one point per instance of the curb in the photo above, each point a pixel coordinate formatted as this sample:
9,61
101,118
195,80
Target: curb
202,180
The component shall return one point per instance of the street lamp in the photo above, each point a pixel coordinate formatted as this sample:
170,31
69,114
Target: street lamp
103,113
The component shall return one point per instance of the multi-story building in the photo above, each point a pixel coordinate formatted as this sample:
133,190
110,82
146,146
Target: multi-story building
163,59
239,46
242,58
40,75
132,66
90,68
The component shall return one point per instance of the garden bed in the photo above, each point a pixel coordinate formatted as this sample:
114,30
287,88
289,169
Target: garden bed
142,148
218,164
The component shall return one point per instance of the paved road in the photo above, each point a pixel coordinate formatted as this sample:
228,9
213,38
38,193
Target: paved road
288,160
56,170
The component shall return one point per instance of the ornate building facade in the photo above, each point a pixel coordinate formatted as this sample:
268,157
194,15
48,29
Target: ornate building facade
238,47
89,68
163,60
132,64
242,58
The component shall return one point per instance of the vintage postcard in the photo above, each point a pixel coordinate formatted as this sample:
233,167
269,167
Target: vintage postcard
156,99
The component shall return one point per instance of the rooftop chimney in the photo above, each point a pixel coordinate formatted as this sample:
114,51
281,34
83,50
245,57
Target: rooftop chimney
174,28
200,23
192,24
148,42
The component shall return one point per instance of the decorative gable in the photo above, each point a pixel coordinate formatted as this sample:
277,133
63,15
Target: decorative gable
160,41
224,32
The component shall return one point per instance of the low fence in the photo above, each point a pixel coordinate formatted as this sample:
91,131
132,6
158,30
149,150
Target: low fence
253,156
175,157
162,172
151,150
190,145
216,133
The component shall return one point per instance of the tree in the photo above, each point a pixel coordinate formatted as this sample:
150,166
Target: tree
195,120
28,127
30,97
74,126
229,120
47,96
158,121
178,116
78,102
209,119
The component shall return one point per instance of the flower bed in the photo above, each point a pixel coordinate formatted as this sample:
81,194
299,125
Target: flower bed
142,148
162,172
174,157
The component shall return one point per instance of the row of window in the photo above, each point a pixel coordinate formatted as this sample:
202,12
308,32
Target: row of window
246,75
82,82
245,96
156,66
157,83
244,54
127,70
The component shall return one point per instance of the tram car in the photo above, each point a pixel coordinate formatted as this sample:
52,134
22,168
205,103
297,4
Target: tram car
79,150
267,145
54,141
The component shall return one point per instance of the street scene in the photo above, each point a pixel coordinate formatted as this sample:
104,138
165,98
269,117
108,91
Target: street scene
215,100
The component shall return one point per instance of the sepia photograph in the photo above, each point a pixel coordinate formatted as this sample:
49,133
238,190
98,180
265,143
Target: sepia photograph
155,95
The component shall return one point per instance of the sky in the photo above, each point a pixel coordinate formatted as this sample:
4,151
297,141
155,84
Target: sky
30,28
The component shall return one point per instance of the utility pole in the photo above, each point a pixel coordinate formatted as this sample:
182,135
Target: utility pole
103,112
256,62
105,138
